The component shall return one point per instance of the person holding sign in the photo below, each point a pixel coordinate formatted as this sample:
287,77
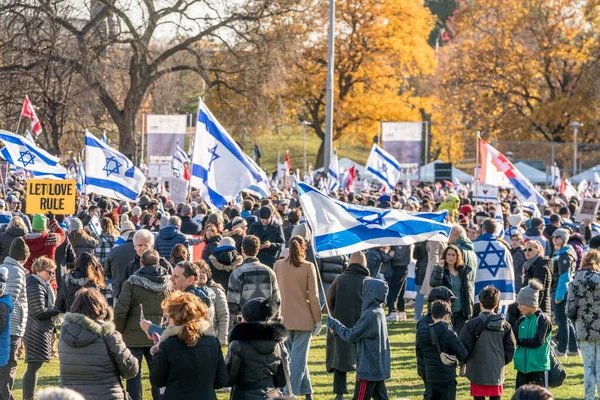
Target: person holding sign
41,241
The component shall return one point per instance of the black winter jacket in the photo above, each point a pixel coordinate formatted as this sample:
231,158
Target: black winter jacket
256,360
209,247
40,325
72,282
441,277
375,260
6,239
222,263
65,258
437,372
421,256
331,268
272,233
116,264
189,226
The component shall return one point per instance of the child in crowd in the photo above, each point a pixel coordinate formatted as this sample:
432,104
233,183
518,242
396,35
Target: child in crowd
441,349
533,330
371,336
490,343
6,308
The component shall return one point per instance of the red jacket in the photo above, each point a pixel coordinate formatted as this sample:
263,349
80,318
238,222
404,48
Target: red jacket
40,244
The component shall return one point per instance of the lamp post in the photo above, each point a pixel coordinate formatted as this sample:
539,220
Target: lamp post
575,125
304,124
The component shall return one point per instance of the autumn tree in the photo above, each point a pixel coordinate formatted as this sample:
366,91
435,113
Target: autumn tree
520,70
381,52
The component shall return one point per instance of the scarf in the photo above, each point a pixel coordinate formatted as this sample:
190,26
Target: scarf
530,262
48,288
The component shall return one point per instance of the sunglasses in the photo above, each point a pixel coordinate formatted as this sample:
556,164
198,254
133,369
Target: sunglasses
528,250
50,272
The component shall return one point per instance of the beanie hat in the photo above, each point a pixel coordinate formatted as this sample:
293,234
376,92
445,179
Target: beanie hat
136,211
38,223
516,220
530,294
238,222
3,279
595,242
226,243
259,310
76,225
265,212
127,226
441,293
18,249
562,233
536,222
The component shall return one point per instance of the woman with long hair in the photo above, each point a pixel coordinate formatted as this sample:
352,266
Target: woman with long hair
92,354
188,363
452,273
300,309
583,308
88,273
179,253
211,239
81,240
108,237
40,322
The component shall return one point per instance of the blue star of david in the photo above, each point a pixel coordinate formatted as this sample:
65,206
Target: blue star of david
114,169
26,158
213,156
383,168
494,268
378,220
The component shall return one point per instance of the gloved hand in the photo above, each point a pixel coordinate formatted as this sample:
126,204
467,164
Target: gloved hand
317,329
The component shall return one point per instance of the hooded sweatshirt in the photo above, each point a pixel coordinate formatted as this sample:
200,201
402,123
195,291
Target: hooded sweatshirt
565,260
468,253
369,333
167,238
583,305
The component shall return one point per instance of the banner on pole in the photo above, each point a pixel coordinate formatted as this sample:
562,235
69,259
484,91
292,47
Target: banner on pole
486,193
163,134
403,140
178,189
46,195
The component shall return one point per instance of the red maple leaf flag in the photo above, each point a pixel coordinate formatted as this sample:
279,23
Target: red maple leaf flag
287,161
29,112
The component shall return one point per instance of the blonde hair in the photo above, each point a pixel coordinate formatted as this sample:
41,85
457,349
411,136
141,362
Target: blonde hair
41,264
187,311
591,260
457,232
17,222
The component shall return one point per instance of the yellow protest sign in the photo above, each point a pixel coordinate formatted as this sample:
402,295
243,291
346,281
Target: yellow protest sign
46,195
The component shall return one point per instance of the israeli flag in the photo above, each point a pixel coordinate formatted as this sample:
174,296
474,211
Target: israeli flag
384,167
260,189
23,153
179,158
499,221
219,167
333,174
110,173
103,138
80,178
495,268
341,228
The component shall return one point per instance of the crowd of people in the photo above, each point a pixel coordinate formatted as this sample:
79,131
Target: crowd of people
102,303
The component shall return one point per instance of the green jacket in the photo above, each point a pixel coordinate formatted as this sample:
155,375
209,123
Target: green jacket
533,343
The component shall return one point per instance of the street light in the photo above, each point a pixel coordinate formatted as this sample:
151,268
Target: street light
575,125
305,124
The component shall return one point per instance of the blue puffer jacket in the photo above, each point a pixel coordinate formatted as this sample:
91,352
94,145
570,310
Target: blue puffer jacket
5,328
167,238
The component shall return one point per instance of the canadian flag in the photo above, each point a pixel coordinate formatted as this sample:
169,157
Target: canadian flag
287,161
29,112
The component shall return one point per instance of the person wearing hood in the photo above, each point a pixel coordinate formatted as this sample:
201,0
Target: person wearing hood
270,234
42,242
257,360
576,242
141,298
371,337
169,236
82,241
534,232
188,361
344,298
583,309
16,228
564,260
224,260
88,273
92,355
490,345
451,205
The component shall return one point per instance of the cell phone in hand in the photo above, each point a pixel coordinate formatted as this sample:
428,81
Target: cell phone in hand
141,312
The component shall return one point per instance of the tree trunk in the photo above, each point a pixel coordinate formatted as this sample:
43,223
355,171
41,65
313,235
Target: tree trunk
127,144
320,155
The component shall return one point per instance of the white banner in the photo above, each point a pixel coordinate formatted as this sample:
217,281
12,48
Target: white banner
178,190
163,134
486,193
403,141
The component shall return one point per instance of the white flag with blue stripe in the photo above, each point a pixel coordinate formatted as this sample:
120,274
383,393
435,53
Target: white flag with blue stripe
333,175
218,164
341,228
384,167
179,158
261,188
23,153
110,173
80,178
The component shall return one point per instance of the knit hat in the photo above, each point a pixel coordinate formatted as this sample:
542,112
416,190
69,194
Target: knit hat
530,294
226,243
562,233
259,310
127,226
3,279
238,222
466,209
595,242
38,223
536,222
18,249
440,293
516,220
76,225
136,211
265,212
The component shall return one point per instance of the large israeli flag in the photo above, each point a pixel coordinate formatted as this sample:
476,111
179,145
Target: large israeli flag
495,268
333,175
260,188
179,158
384,167
110,173
219,167
23,153
341,228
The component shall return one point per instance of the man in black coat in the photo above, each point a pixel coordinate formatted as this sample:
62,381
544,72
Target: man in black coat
270,234
344,298
116,262
188,226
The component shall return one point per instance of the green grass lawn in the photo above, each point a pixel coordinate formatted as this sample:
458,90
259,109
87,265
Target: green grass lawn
404,383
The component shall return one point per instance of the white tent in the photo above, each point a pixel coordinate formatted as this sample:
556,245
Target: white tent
587,174
534,175
428,173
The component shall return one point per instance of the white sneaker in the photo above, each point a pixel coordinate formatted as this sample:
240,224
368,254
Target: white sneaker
401,316
393,317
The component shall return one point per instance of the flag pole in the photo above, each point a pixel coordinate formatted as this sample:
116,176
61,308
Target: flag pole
19,123
477,168
189,194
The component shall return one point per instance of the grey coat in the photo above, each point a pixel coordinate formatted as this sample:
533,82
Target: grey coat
90,353
16,288
40,323
221,319
583,304
370,333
